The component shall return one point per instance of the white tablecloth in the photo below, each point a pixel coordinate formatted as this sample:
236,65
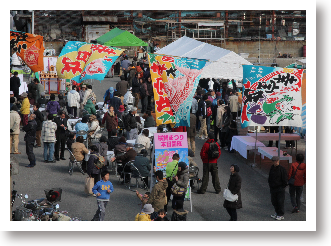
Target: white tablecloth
110,154
273,151
244,143
275,136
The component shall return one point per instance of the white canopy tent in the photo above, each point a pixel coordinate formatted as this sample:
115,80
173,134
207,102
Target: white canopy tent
223,64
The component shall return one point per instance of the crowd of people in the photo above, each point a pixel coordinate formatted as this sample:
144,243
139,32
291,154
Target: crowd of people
213,119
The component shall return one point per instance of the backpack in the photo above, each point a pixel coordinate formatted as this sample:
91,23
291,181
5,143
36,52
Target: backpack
100,161
142,91
209,112
213,151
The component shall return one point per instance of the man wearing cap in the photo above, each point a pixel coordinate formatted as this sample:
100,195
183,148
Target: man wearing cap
15,121
130,124
209,165
15,84
25,109
277,182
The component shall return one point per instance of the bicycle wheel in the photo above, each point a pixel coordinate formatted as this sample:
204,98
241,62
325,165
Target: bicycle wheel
71,167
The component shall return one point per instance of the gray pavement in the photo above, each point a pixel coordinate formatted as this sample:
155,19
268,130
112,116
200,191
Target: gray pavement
124,205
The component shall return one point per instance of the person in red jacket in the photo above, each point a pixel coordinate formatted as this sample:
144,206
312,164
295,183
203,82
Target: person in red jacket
209,165
111,120
298,170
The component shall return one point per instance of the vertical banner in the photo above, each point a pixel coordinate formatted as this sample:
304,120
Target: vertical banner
271,96
167,144
30,48
175,80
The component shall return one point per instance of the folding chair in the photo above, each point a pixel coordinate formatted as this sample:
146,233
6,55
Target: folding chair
127,166
74,161
136,175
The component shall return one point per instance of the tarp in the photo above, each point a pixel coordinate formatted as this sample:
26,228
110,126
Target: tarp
117,37
223,63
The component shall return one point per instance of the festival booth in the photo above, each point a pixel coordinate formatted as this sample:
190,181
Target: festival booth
222,63
272,96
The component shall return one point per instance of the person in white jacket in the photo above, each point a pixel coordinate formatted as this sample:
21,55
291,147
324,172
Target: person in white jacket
73,101
15,121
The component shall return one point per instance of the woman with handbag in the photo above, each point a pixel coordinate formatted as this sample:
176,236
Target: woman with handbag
180,182
234,186
298,173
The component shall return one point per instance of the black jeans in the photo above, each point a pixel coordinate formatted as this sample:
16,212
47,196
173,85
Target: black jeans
295,194
29,142
222,139
168,193
73,111
277,200
233,213
60,140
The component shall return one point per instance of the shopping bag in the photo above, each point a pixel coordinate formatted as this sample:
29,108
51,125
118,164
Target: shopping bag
229,196
89,183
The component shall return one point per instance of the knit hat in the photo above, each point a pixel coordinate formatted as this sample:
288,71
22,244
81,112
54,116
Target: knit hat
24,94
236,168
211,135
121,108
148,209
182,165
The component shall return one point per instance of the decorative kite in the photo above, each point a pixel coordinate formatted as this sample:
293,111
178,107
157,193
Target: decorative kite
175,80
30,48
79,61
271,96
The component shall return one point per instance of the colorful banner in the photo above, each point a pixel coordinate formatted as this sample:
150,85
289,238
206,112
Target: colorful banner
30,48
79,61
166,145
175,80
271,96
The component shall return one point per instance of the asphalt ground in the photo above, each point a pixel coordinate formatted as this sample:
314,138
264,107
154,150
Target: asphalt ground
124,205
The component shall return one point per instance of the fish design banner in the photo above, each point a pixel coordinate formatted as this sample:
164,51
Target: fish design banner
79,61
271,96
175,80
29,48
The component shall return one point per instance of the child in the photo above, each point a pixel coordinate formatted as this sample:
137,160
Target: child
102,190
145,214
179,214
71,139
162,216
143,198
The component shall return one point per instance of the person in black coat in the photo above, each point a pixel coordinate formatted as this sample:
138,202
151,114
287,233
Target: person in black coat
30,136
15,84
62,126
113,140
39,120
234,186
115,101
92,170
277,182
142,164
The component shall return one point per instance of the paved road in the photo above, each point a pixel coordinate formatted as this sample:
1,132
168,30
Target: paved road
124,205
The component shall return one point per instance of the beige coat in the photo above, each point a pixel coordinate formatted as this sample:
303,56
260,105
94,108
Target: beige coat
234,105
78,149
15,121
219,117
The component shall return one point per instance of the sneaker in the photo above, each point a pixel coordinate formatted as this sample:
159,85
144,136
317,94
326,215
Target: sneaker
274,216
279,218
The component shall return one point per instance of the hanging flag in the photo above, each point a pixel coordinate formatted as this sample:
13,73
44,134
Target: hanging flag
175,80
30,48
271,96
79,61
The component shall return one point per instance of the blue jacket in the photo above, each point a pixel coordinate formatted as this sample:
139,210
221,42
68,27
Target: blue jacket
109,92
102,187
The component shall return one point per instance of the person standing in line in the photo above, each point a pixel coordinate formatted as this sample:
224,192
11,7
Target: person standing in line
73,101
277,182
30,136
15,121
15,84
81,96
298,170
227,118
48,137
102,190
191,131
202,114
39,120
234,186
25,109
209,165
62,126
53,106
